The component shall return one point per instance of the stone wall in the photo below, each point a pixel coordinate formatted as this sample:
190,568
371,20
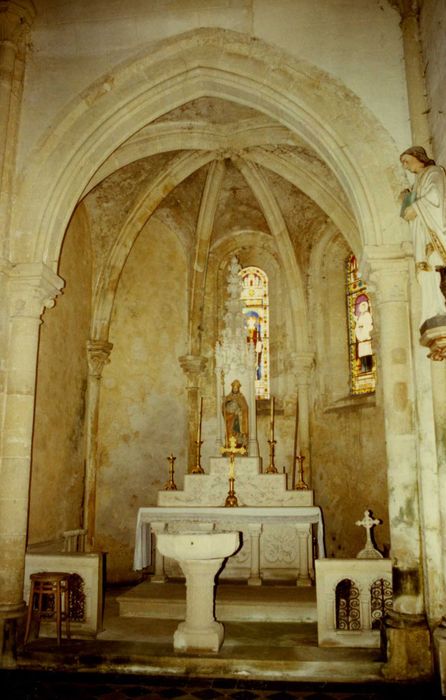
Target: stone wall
58,446
74,44
143,397
347,432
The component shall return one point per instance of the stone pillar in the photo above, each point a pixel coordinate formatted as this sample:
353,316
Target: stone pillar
16,17
193,366
31,288
98,355
407,634
304,366
255,531
413,59
303,535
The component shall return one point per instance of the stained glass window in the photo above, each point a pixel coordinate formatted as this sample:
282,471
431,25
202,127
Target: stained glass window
360,327
256,312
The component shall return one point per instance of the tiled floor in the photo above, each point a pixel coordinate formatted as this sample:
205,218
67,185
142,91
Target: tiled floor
32,685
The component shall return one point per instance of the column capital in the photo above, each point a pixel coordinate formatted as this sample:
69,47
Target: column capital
16,17
192,366
32,288
304,363
386,270
98,355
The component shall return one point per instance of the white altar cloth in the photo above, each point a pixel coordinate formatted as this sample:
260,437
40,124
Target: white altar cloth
225,517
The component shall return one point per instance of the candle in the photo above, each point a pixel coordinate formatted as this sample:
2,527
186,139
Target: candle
296,432
200,414
272,418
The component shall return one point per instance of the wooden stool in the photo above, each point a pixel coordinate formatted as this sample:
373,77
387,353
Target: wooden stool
44,587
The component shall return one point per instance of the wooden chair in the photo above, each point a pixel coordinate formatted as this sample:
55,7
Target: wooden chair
49,598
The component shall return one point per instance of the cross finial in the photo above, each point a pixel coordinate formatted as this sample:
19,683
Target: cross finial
369,551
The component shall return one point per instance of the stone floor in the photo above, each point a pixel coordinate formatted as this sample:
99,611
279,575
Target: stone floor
34,685
134,658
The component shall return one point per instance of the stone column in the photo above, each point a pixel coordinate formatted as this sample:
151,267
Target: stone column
31,288
413,59
98,355
303,535
255,531
193,366
16,17
304,366
408,640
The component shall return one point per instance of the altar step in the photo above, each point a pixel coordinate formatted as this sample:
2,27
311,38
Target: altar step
234,602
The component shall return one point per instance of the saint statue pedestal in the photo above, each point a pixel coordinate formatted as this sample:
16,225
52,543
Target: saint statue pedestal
433,336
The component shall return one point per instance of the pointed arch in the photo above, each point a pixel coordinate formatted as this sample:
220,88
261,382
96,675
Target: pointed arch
215,63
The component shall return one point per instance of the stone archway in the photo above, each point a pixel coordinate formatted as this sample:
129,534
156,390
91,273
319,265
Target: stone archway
208,62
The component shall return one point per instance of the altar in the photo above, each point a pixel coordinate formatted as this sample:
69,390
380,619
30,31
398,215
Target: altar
277,542
281,528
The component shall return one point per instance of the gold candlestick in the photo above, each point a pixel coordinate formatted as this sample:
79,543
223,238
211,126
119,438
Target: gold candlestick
272,469
301,485
198,468
271,442
232,450
295,446
171,485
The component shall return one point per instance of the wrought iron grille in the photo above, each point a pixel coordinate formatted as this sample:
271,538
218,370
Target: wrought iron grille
380,601
348,616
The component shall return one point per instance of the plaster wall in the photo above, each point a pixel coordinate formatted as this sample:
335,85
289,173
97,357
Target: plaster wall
349,464
142,414
433,36
75,43
58,446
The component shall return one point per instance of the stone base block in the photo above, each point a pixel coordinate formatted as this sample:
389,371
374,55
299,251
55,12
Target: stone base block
440,655
206,639
409,654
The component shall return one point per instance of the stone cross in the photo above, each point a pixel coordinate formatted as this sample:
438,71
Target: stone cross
369,551
232,451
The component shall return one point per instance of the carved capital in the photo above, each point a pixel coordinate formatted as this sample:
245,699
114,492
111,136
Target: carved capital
98,355
32,288
193,366
16,17
386,269
304,363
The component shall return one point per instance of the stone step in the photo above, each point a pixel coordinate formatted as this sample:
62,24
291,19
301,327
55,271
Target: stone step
234,602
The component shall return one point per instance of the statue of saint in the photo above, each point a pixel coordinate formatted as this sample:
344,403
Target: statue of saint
235,412
424,208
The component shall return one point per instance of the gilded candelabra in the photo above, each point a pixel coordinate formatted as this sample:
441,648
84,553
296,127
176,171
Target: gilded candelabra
272,469
300,484
171,485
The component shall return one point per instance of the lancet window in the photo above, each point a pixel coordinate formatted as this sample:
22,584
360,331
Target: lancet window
255,299
360,327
